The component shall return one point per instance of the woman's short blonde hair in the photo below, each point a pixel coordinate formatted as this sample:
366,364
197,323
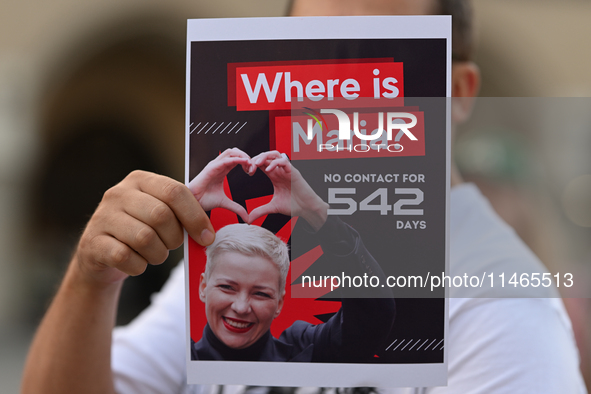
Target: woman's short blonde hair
249,240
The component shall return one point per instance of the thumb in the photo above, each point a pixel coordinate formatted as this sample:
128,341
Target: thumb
200,227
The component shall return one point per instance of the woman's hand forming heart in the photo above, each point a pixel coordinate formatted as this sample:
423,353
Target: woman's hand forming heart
292,195
208,186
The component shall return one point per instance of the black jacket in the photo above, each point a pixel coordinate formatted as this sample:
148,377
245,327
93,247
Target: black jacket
353,334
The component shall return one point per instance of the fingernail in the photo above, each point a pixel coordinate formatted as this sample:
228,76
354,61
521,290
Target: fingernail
207,237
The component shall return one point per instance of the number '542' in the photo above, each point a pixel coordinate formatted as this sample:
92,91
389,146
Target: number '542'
376,201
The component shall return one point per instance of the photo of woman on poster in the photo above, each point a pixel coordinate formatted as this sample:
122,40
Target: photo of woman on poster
243,286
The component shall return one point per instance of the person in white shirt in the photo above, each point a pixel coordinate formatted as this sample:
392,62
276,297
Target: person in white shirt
495,345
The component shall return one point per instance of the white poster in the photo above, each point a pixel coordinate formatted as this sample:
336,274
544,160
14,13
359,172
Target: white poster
330,136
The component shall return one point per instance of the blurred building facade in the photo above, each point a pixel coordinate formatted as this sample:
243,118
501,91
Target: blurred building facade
80,79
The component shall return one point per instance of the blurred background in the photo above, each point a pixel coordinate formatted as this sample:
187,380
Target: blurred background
92,90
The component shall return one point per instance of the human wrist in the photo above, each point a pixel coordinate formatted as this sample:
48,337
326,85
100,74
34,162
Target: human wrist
81,275
316,215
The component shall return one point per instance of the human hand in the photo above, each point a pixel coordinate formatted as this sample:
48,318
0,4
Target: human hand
292,195
137,222
207,187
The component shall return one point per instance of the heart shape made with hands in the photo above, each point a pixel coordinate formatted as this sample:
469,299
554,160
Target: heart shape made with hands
277,167
292,195
208,187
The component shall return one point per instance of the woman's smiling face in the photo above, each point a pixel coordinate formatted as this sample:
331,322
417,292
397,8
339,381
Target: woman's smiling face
241,298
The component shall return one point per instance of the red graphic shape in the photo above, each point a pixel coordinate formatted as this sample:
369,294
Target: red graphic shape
255,203
197,308
303,309
222,217
324,143
276,87
293,309
285,232
219,218
273,132
311,290
302,263
232,69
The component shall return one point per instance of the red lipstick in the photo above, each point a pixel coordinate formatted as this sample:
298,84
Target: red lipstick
236,325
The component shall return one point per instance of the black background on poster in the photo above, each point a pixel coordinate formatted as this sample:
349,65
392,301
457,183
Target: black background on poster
424,76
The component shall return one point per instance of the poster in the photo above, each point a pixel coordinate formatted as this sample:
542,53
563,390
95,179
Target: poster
353,112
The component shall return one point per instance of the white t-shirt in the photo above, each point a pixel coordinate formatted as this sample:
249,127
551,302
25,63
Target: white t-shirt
495,344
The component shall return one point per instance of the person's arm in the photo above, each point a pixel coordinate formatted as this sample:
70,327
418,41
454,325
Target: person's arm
135,224
357,330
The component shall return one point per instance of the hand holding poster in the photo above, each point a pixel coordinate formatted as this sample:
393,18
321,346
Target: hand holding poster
335,143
